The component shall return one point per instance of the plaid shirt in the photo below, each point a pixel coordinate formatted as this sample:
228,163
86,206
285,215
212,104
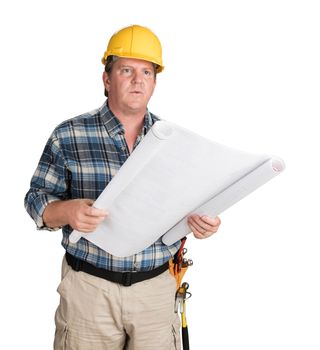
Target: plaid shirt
79,160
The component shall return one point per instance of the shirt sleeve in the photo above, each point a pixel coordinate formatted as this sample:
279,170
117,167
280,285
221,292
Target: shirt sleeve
49,182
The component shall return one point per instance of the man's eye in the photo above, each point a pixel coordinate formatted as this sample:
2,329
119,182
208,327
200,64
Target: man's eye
126,70
147,72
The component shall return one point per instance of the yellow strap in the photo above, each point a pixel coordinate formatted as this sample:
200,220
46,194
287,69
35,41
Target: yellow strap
183,316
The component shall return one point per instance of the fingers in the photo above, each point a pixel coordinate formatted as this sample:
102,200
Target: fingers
84,217
87,223
95,212
90,210
91,219
215,222
195,223
203,227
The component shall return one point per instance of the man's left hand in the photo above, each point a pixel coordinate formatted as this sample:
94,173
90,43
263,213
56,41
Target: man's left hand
203,226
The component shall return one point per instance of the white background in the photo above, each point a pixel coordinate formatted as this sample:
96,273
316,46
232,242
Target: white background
243,73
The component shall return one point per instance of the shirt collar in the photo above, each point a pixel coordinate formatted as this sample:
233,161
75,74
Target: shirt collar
114,125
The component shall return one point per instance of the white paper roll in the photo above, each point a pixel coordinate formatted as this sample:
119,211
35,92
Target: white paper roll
173,172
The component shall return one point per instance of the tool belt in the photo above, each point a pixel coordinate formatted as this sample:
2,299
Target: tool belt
124,278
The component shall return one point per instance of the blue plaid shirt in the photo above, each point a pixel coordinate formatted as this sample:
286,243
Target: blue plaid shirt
79,160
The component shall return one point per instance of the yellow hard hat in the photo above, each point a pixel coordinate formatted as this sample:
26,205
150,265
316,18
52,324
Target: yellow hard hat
135,42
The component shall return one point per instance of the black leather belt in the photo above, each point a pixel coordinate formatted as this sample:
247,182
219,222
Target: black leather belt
124,278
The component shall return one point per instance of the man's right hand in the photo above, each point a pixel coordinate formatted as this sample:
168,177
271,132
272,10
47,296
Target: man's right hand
78,213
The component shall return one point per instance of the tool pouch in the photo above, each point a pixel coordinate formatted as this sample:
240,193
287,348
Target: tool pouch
178,266
178,275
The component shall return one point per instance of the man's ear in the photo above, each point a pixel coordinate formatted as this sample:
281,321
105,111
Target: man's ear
106,80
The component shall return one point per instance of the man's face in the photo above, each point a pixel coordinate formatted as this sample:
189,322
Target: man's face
130,85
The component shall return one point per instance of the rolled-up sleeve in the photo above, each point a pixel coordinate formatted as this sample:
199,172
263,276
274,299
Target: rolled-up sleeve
49,182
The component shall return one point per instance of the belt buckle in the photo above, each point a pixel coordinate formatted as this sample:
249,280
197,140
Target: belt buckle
127,279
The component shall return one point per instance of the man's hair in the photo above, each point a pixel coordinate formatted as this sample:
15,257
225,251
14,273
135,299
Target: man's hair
109,64
108,68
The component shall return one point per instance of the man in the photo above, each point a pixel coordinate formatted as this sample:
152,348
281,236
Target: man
99,308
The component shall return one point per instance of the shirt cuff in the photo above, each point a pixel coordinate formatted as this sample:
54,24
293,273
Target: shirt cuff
40,205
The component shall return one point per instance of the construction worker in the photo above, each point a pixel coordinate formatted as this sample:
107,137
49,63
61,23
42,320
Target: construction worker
107,302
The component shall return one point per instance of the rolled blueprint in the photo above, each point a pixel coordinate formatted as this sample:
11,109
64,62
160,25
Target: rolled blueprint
172,173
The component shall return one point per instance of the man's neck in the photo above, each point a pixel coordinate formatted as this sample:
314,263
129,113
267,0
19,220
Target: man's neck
131,120
132,124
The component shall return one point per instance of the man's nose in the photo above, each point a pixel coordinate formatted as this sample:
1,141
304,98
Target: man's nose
137,77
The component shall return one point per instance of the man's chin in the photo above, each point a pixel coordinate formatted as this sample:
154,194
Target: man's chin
137,104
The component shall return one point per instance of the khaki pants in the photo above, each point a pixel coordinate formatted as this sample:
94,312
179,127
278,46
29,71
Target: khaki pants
95,314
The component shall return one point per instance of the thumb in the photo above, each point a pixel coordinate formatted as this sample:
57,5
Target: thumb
88,201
